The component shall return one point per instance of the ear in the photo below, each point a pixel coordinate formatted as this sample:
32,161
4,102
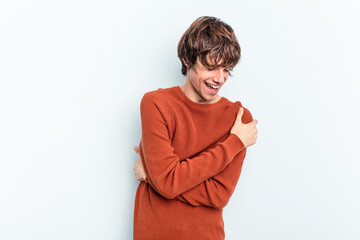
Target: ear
183,60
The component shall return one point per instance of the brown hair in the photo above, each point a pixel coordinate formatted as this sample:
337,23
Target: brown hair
209,36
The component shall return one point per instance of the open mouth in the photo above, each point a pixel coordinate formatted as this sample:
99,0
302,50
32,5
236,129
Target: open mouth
212,89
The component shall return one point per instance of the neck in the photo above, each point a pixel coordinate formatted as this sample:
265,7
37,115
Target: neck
195,98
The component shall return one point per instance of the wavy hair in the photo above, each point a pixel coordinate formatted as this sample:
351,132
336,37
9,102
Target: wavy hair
209,36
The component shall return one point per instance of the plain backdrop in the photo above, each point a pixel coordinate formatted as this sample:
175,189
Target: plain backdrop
73,74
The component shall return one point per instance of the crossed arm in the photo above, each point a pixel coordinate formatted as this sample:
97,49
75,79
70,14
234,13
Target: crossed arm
204,181
214,192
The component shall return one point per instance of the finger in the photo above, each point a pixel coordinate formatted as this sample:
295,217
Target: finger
240,113
136,149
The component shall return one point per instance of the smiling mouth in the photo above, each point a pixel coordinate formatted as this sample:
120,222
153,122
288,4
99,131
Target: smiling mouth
212,86
211,89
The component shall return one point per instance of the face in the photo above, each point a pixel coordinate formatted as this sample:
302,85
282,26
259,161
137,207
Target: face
203,85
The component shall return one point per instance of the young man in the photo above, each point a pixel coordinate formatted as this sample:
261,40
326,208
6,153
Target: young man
193,142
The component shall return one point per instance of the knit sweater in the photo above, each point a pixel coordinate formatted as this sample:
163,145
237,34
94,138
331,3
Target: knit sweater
192,165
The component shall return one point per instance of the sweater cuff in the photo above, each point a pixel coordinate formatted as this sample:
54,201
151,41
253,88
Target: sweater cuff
237,141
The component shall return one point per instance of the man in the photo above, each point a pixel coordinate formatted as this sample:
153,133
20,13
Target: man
193,142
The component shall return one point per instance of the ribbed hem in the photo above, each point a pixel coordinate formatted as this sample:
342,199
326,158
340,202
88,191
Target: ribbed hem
237,141
222,102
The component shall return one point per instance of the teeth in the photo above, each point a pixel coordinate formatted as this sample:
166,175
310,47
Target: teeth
215,87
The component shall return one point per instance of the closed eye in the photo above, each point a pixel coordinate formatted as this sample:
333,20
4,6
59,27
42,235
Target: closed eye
227,70
212,69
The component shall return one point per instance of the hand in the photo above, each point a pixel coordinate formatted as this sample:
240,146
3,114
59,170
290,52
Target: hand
246,132
139,169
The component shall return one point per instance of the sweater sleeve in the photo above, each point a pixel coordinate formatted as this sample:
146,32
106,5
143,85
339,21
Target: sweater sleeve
166,173
216,191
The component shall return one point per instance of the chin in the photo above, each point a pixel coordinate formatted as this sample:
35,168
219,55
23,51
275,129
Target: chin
208,98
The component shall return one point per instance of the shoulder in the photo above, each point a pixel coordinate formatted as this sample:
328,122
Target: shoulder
159,99
159,95
247,116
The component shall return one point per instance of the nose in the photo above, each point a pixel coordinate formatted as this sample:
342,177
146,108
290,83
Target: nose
219,76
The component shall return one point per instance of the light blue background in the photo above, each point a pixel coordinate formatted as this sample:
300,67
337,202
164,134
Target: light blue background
73,74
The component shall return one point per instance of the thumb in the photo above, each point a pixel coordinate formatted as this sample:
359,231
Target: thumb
240,114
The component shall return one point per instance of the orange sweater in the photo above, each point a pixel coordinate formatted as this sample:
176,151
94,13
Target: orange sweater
192,165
